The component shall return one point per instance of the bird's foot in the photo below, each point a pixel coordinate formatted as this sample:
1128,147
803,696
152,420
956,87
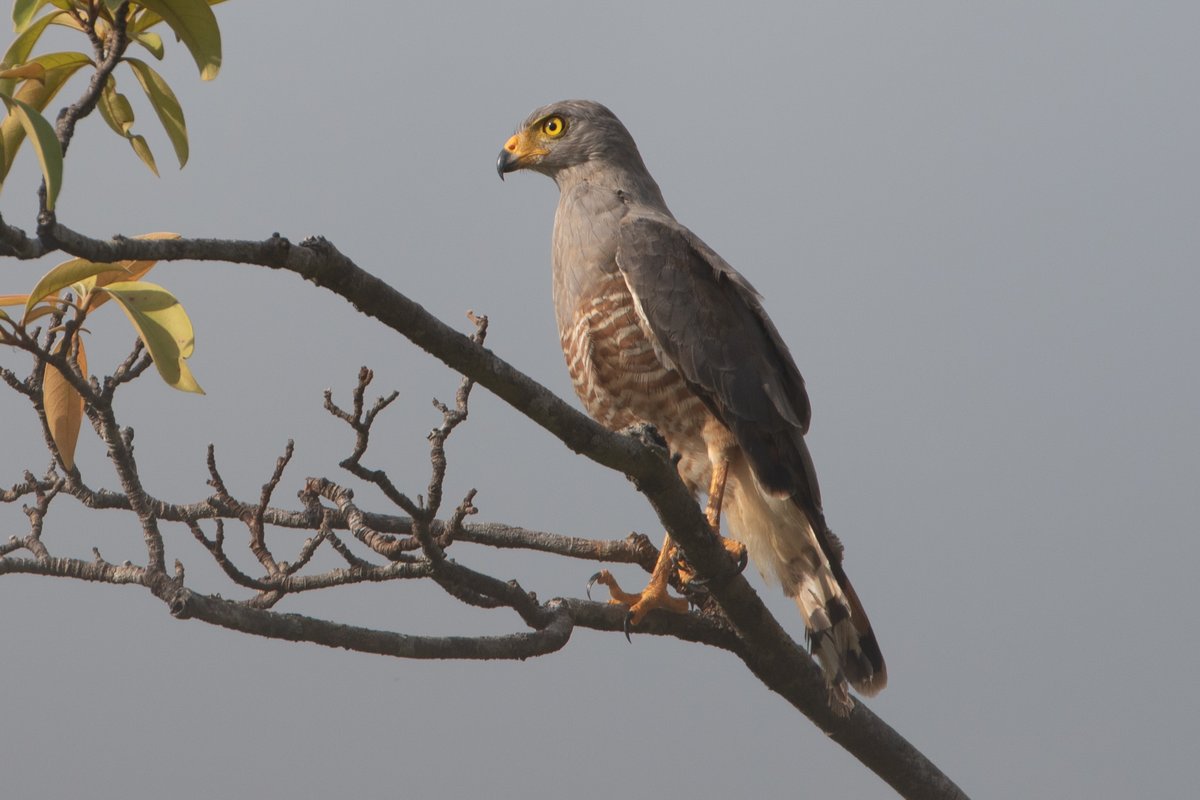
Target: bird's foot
737,551
692,582
652,597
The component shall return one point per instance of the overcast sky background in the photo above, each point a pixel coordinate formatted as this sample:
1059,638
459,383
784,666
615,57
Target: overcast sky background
975,225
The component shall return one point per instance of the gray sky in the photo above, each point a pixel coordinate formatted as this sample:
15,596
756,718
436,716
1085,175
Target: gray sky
976,228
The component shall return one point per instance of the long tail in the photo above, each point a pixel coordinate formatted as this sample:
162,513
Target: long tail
806,558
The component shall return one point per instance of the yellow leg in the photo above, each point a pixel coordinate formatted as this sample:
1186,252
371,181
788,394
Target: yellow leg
716,494
654,595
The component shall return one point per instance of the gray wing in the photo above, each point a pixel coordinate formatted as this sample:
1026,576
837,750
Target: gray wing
710,326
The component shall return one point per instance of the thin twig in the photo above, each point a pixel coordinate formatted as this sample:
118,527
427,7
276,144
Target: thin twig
764,647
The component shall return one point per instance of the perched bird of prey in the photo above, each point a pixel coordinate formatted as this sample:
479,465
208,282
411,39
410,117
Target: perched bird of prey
658,329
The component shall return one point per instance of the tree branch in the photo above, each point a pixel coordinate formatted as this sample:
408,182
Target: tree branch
765,647
739,623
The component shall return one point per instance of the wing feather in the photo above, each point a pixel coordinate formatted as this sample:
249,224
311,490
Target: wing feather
708,322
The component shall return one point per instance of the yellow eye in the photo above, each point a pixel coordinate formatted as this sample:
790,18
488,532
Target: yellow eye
554,127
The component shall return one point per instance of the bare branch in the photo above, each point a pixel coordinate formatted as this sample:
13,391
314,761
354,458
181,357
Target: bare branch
108,55
361,421
16,383
345,552
186,604
634,549
307,550
761,643
355,520
129,370
254,519
294,627
216,546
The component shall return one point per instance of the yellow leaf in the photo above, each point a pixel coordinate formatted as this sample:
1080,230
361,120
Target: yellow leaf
38,94
138,143
13,299
45,144
125,271
163,326
152,42
69,272
165,105
196,25
114,107
31,70
18,52
64,407
36,314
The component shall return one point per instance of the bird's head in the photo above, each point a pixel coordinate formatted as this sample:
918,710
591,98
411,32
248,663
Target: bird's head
568,134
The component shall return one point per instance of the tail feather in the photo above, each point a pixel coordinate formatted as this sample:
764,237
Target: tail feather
806,558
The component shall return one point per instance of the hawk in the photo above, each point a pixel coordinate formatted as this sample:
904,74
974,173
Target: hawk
658,329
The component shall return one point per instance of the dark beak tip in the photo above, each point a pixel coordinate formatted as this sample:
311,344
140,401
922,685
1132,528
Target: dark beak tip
502,162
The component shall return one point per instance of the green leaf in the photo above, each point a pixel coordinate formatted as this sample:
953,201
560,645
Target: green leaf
114,107
62,276
142,150
169,112
144,19
38,94
45,144
152,42
59,67
22,46
164,328
24,11
196,26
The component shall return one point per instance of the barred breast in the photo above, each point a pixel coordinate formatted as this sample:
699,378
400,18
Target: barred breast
621,381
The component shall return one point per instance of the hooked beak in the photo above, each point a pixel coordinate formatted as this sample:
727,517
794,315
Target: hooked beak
507,162
519,152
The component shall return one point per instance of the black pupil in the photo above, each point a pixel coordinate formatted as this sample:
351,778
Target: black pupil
552,126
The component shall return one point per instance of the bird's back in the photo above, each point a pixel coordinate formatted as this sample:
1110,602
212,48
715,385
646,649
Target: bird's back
658,328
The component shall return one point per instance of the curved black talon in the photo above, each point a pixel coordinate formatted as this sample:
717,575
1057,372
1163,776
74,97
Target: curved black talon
591,582
625,625
696,600
742,561
679,562
696,593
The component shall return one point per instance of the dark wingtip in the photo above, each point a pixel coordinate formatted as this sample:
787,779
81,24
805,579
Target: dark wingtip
874,680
